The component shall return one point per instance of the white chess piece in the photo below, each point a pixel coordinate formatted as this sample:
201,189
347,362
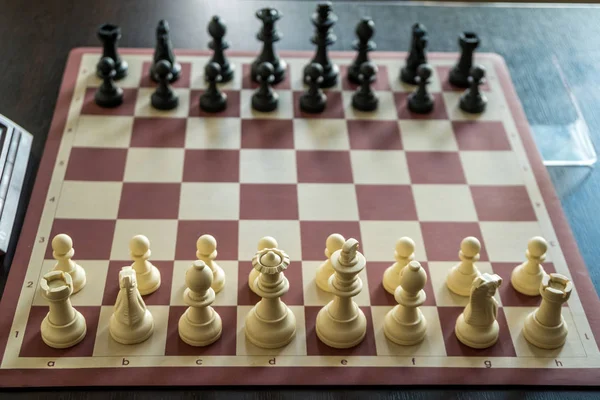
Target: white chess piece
526,278
333,243
341,323
200,325
405,324
404,254
63,326
266,242
461,276
206,250
476,326
270,323
546,327
147,275
63,252
131,321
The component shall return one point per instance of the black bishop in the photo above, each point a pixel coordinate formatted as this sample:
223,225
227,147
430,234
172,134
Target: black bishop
217,30
417,55
164,51
363,45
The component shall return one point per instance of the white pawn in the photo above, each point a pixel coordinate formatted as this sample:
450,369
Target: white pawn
147,275
527,277
405,324
546,327
62,251
334,243
206,250
200,325
63,326
476,326
266,242
461,276
404,254
131,322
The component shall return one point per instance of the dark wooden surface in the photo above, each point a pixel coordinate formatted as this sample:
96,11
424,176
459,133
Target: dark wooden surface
36,38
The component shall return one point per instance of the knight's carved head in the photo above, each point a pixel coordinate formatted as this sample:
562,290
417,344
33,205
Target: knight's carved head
486,284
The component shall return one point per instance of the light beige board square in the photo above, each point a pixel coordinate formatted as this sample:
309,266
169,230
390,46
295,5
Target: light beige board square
92,292
507,241
313,296
134,71
496,110
226,297
213,133
143,106
321,134
154,165
398,86
154,346
297,347
268,166
287,234
386,110
444,203
103,131
427,135
89,200
491,168
515,317
438,271
432,345
373,167
160,232
379,239
285,108
209,201
327,202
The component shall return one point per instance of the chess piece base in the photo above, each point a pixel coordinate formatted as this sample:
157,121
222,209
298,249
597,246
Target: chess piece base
265,104
278,70
544,337
424,107
404,334
218,279
200,334
341,334
365,103
408,76
460,283
165,104
270,334
148,282
175,72
213,104
476,337
458,79
525,283
324,272
227,72
126,334
62,337
391,279
106,101
473,107
312,107
330,76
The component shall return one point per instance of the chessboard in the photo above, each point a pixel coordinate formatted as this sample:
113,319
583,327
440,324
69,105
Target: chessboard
108,174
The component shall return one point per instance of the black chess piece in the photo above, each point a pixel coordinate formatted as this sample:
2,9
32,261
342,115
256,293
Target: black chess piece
213,100
459,74
108,95
365,99
265,99
472,100
110,35
313,100
417,55
269,35
323,20
164,51
164,98
217,30
364,31
421,101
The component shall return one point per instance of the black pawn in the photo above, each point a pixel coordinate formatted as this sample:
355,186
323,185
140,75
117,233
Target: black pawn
164,51
164,98
417,55
109,35
459,75
265,99
364,31
217,30
213,100
313,100
323,20
108,95
472,101
364,99
269,35
421,101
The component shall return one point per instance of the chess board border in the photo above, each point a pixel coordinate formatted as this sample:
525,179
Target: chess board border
184,376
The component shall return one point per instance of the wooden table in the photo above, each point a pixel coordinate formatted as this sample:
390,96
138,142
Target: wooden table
36,41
